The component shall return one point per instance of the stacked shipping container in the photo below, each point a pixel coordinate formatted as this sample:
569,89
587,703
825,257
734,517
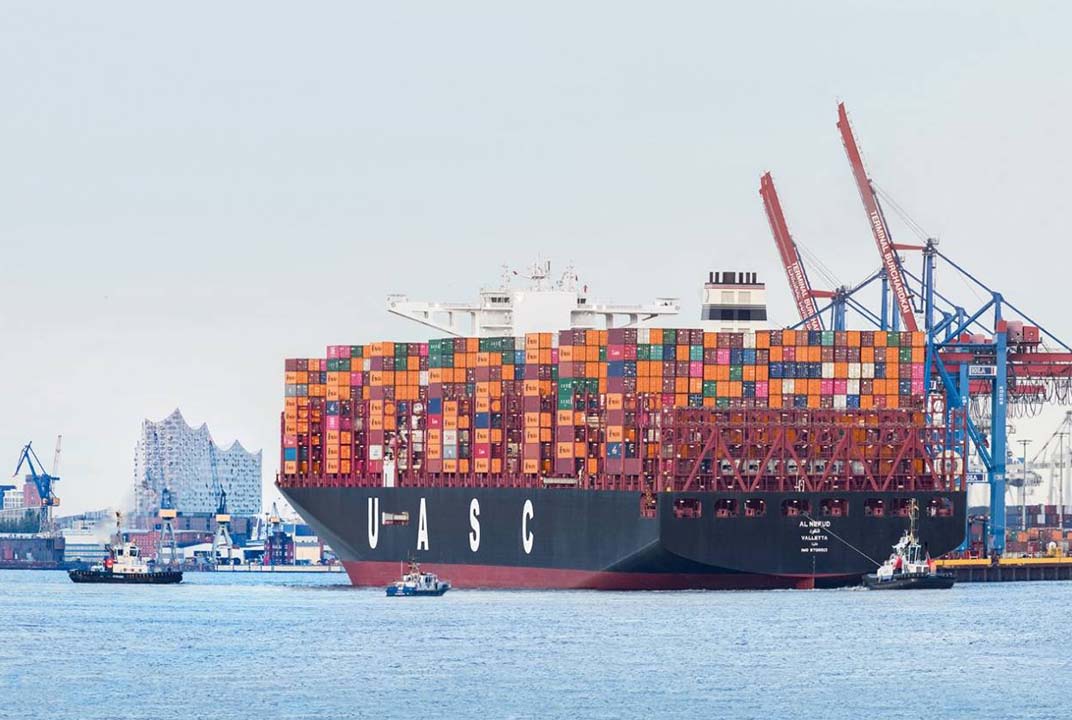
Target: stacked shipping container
579,402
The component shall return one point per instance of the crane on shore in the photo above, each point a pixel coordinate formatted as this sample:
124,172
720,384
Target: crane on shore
42,481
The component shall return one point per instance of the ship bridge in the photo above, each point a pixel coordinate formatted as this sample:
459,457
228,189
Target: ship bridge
542,304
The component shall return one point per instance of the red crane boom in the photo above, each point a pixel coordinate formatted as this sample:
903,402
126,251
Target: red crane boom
886,249
799,285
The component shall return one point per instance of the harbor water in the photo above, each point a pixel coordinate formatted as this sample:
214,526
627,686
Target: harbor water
309,646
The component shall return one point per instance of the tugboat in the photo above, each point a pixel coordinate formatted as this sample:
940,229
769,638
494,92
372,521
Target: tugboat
418,584
125,564
909,567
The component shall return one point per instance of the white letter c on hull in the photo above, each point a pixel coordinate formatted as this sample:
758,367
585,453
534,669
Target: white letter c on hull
526,536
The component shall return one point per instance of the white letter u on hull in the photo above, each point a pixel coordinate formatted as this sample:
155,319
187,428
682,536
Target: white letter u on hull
373,522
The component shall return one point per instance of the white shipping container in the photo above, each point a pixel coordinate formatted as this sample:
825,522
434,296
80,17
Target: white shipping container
867,371
450,452
643,335
840,402
450,437
423,377
750,340
854,370
853,386
375,452
828,371
787,387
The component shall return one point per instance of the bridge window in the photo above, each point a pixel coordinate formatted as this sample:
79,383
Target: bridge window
901,507
726,507
834,507
795,506
687,508
755,507
874,507
940,507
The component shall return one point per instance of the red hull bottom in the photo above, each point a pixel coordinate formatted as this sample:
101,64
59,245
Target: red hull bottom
375,574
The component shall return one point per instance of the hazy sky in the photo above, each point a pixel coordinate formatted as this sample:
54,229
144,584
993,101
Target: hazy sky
191,193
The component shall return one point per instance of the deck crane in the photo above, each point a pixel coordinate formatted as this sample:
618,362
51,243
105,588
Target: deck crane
799,285
887,249
41,480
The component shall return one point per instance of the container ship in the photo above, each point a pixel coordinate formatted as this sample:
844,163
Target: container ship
619,457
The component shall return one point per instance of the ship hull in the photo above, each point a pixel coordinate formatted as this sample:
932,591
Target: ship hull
163,577
568,538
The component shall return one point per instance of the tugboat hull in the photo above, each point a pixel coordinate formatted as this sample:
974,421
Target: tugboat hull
163,577
939,581
393,591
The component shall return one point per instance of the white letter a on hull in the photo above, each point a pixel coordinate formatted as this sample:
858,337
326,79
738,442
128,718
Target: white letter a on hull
422,529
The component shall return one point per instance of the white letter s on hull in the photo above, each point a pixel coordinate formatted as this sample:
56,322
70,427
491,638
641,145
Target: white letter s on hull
474,522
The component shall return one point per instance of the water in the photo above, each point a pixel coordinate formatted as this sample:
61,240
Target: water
286,646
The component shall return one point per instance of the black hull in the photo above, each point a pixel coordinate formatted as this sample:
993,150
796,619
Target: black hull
163,577
940,581
598,539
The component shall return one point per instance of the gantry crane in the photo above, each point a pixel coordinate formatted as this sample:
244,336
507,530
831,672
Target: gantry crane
891,262
796,274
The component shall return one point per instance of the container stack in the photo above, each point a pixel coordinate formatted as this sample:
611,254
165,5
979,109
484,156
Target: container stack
571,404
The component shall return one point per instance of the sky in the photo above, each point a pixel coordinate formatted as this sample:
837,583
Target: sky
191,193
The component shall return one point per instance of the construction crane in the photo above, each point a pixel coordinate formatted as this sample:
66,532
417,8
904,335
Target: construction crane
41,480
887,249
799,285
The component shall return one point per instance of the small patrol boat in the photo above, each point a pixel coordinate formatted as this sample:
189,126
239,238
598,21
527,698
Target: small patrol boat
125,564
909,566
418,584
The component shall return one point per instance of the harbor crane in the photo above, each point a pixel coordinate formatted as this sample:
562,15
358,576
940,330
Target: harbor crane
42,481
167,514
796,274
982,364
222,544
893,275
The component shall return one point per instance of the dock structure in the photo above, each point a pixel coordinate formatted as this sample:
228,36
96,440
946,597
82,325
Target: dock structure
1008,569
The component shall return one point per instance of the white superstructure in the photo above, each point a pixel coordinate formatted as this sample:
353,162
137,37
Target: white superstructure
734,302
543,305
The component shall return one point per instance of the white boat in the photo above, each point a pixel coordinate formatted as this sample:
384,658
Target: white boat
418,584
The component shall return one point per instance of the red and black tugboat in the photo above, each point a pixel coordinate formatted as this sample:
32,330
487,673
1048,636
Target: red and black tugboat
125,564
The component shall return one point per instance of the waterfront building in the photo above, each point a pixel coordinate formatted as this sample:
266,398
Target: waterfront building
171,454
